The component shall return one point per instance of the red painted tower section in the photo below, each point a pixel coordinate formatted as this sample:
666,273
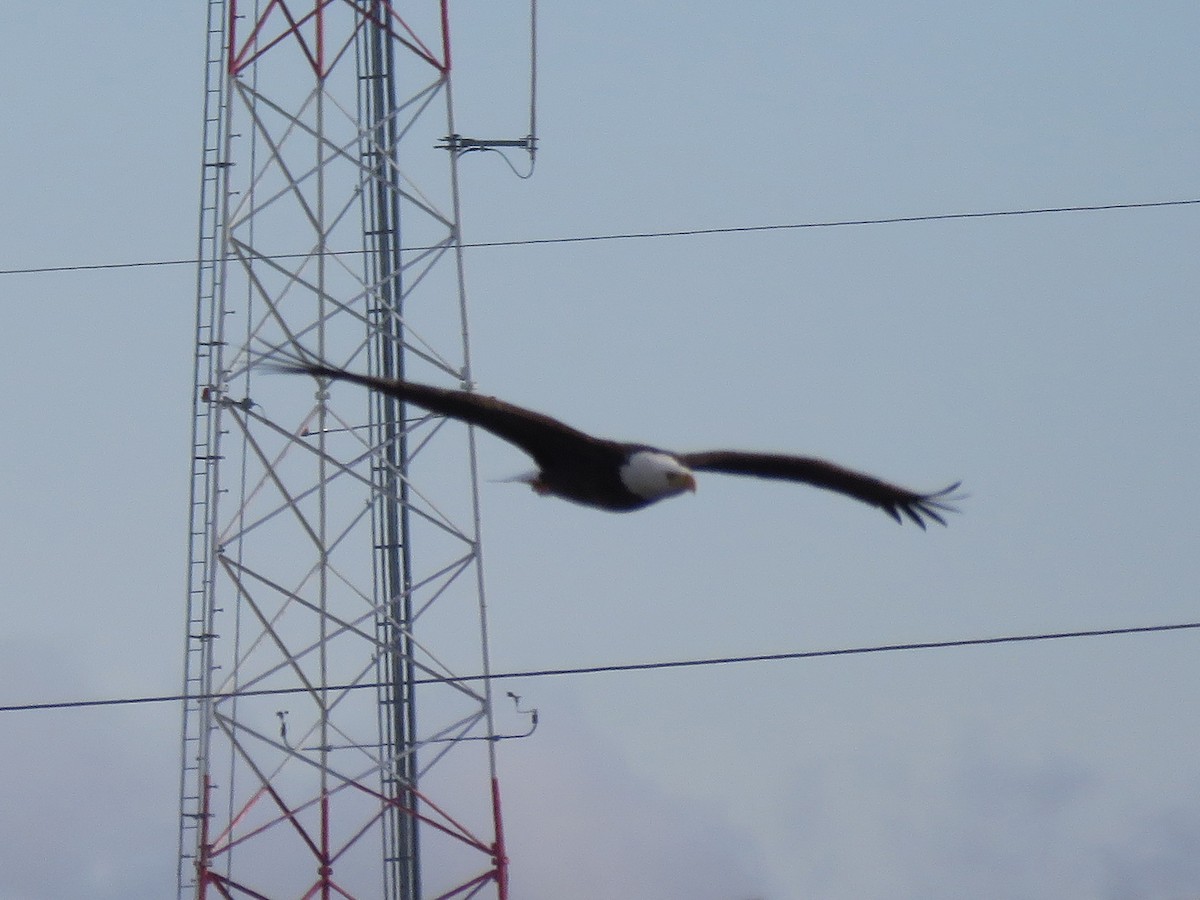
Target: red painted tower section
338,741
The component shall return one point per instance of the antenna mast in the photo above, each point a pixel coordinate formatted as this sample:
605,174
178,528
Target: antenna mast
335,576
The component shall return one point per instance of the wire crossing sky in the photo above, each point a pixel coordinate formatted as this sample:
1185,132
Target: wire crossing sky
641,235
641,667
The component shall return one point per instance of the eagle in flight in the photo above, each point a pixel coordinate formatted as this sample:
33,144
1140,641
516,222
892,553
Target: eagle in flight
622,477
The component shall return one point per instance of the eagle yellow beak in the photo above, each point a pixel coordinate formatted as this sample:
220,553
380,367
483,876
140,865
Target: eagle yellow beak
686,481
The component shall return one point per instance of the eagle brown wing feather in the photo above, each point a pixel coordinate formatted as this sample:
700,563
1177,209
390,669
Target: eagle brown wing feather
890,498
546,439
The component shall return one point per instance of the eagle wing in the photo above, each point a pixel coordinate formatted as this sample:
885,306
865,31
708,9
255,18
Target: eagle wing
890,498
544,438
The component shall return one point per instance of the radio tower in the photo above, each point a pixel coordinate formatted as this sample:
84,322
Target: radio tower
336,716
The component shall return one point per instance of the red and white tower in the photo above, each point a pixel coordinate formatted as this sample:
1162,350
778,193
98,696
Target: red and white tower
339,712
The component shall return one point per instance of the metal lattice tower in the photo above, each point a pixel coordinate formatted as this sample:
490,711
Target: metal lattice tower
335,585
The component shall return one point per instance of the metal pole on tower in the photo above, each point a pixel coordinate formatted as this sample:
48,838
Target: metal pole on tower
401,847
335,580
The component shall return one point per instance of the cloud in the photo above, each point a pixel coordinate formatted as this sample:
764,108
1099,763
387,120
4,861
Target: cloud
972,822
586,825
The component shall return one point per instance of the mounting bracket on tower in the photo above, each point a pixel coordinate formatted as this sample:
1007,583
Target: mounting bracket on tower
459,145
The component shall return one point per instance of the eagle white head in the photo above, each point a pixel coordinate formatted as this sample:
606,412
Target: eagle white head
654,475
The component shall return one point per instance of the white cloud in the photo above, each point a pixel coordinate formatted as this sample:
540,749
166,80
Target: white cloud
585,825
984,819
966,823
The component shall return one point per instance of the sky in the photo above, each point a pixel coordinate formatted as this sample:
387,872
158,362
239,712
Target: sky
1048,361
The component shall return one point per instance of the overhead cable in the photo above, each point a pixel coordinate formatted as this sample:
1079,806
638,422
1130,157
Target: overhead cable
629,667
644,235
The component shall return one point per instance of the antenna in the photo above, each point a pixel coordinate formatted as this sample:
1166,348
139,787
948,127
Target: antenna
334,535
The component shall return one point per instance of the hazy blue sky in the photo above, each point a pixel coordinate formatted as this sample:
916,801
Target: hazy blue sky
1048,361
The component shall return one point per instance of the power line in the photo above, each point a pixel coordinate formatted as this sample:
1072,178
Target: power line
633,667
644,235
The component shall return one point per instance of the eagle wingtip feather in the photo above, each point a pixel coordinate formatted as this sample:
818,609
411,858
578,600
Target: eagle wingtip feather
933,505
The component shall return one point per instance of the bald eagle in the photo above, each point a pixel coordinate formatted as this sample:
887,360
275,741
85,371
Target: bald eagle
622,477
